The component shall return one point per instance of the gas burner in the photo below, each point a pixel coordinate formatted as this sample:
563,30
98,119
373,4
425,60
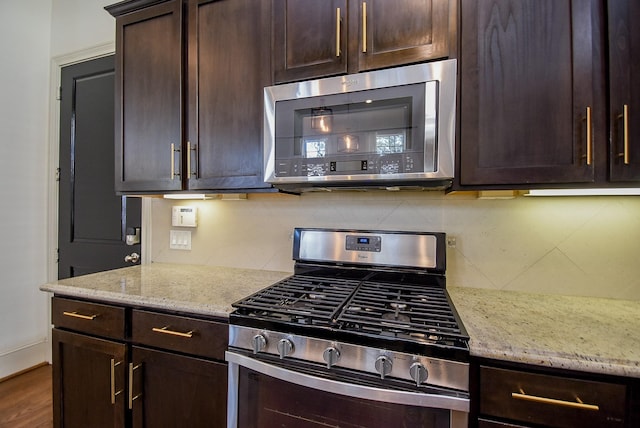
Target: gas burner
396,317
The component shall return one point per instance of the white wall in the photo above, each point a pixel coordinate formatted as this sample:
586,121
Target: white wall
24,31
585,246
32,33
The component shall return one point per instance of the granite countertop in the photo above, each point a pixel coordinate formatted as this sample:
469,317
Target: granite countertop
574,333
205,290
586,334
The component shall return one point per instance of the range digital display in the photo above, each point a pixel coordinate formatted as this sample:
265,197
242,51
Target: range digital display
363,240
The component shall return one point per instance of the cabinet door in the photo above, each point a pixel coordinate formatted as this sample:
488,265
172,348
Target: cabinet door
529,70
229,65
149,98
88,381
309,39
390,33
177,391
624,67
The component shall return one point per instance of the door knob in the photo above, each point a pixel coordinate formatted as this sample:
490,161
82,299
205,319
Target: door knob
133,258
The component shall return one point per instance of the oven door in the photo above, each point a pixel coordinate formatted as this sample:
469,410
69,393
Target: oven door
263,395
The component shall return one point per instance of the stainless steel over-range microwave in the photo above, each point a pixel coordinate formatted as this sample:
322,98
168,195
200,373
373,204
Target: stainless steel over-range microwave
390,128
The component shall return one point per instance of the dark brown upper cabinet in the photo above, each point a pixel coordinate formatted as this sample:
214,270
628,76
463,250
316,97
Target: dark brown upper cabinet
323,38
532,101
624,98
149,98
189,79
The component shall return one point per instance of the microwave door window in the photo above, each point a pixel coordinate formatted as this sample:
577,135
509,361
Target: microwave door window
377,131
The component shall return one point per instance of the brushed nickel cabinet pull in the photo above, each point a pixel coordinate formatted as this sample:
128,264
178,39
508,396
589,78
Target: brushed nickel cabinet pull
173,161
188,159
194,149
578,404
364,27
165,330
113,380
589,148
75,314
337,32
625,121
132,368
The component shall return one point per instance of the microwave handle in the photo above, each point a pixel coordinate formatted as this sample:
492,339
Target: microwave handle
417,399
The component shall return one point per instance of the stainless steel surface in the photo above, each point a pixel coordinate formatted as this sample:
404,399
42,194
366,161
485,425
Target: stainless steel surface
444,72
418,373
133,258
384,365
394,249
259,343
442,372
331,356
285,347
347,389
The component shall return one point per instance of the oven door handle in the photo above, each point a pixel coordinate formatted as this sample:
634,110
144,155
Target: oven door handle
351,390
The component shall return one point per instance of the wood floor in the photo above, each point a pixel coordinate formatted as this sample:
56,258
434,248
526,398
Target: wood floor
26,400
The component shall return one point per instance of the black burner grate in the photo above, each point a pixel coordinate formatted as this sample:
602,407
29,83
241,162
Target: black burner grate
391,311
408,312
300,299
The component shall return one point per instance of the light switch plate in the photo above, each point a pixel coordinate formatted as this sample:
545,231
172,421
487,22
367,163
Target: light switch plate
180,239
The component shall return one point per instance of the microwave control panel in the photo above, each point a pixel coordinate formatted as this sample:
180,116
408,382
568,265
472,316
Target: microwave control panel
398,163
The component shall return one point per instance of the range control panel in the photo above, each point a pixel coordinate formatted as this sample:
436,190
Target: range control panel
364,243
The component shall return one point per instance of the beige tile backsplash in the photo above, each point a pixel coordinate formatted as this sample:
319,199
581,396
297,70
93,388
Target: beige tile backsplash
587,246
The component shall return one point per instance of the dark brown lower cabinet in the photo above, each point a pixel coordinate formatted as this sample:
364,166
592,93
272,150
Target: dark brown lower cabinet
518,398
116,366
170,390
88,381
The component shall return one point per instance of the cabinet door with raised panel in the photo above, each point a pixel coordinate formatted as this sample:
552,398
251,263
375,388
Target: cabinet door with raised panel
386,33
88,381
309,39
624,69
531,106
149,98
229,65
170,390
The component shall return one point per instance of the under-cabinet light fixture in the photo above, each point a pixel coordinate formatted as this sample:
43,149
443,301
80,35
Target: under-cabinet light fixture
202,196
182,196
585,192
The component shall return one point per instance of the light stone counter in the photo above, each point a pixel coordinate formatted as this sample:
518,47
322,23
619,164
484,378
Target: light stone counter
575,333
194,289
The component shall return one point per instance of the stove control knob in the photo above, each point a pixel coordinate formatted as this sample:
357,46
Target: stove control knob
259,343
331,356
384,364
285,348
418,372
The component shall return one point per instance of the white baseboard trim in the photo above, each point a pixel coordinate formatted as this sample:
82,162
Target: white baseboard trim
23,358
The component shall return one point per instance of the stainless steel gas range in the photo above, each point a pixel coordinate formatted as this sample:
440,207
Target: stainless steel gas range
363,334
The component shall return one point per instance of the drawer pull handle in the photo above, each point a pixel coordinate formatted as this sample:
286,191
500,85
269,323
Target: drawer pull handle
576,405
166,330
132,368
77,315
113,380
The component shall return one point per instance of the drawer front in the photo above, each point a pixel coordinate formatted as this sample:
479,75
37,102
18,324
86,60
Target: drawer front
551,401
91,318
182,334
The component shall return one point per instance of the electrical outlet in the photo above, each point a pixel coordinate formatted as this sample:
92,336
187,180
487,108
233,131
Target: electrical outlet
180,239
451,241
